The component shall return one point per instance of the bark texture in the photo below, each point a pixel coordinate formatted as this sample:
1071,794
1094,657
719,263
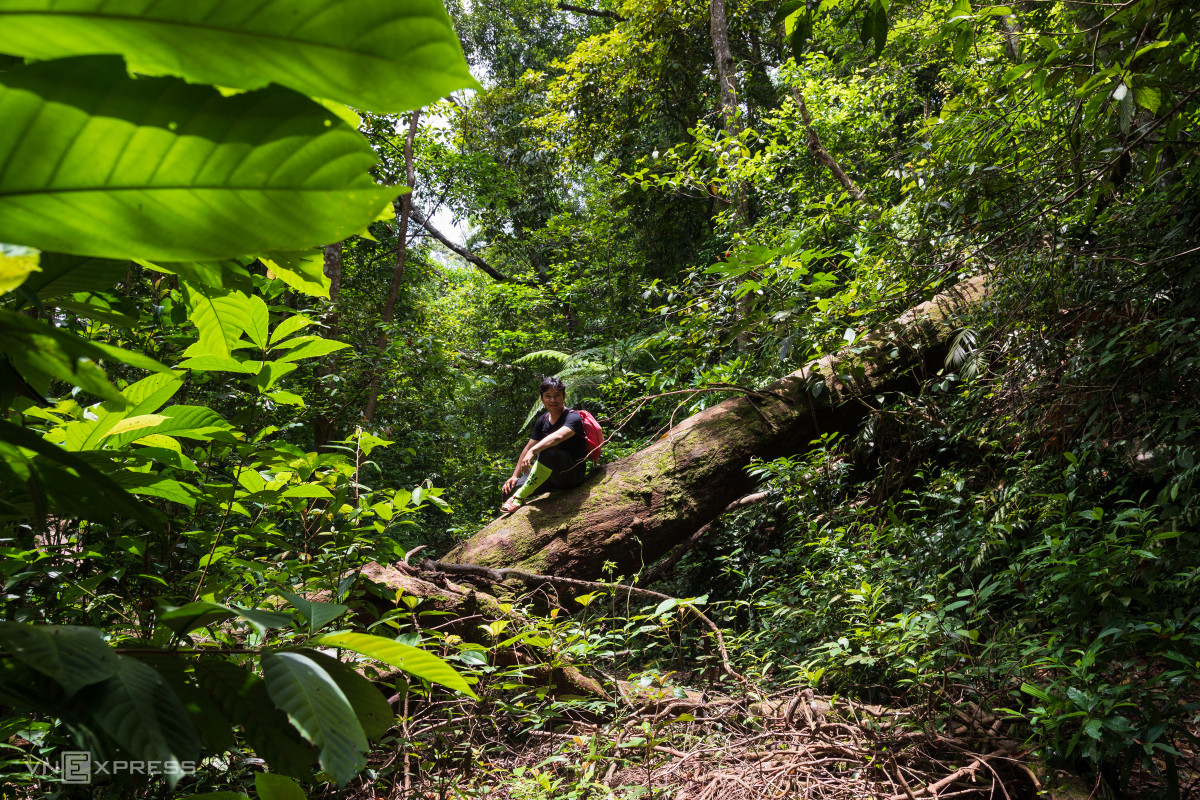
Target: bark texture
637,509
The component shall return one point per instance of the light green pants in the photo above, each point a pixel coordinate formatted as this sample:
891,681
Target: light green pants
530,483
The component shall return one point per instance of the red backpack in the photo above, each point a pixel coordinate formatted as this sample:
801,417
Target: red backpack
593,433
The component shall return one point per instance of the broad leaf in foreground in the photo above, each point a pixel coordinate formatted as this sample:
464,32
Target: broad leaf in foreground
41,352
66,274
138,709
380,55
74,657
94,162
319,710
77,487
243,698
369,704
412,660
276,787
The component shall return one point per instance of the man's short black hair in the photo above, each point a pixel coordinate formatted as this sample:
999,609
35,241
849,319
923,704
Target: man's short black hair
552,382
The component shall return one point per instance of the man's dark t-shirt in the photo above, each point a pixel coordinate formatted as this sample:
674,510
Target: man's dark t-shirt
576,446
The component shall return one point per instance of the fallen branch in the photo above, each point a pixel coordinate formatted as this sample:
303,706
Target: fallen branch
957,775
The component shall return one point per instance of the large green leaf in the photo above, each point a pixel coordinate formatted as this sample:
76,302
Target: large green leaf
369,705
79,488
151,393
192,422
314,348
17,263
412,660
67,274
262,619
380,55
139,711
221,317
198,614
319,710
74,657
41,352
151,485
214,727
228,274
303,271
243,698
98,163
141,399
315,613
219,364
276,787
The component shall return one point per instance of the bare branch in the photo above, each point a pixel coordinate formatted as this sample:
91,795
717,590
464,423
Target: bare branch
821,154
494,575
458,249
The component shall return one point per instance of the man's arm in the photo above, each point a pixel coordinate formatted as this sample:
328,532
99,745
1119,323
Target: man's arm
524,459
556,438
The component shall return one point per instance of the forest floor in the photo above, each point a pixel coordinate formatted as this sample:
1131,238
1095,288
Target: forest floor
787,745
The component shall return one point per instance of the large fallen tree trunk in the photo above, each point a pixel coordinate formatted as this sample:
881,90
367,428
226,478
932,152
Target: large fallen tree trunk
636,509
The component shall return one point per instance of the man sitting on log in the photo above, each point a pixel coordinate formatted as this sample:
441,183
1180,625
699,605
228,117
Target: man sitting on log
555,453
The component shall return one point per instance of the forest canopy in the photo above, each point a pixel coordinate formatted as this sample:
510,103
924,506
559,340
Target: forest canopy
279,282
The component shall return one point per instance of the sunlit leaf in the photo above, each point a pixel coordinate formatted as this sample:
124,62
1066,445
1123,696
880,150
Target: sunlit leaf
401,656
16,264
303,271
380,55
97,163
63,274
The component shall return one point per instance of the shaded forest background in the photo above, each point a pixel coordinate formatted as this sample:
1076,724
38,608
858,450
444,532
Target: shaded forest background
666,206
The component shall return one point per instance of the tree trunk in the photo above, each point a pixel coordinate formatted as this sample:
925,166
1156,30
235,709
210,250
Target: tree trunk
726,74
636,509
731,122
325,427
389,306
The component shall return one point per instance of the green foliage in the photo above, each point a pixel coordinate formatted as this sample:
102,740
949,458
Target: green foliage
151,523
228,165
376,56
182,469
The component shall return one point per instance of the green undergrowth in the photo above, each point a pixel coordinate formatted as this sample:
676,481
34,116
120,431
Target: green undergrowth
1022,536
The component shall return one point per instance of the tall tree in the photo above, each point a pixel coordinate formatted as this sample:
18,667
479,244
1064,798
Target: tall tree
404,210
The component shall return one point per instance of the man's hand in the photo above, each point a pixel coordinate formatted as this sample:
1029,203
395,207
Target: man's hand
509,484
